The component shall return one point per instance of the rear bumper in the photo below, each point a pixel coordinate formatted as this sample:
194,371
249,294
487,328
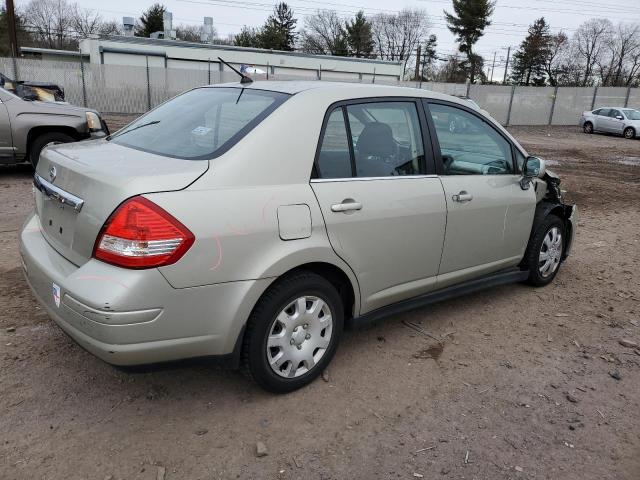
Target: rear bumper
132,317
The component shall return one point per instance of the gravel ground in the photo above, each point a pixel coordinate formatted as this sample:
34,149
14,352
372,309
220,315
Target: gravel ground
524,387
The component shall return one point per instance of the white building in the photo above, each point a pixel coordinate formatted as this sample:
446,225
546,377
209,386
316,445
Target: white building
138,51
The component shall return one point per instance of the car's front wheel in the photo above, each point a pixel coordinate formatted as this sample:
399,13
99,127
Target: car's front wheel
629,133
545,250
587,127
45,140
293,332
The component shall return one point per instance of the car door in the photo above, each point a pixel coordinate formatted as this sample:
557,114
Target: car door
489,214
382,203
615,121
6,140
600,119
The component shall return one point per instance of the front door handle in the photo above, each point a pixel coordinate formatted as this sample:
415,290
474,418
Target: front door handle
346,206
463,196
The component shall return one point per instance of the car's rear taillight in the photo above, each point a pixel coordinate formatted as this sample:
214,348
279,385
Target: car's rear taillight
140,234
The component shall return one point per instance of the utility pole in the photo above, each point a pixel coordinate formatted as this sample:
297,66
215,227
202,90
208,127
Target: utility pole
417,75
506,67
13,36
493,66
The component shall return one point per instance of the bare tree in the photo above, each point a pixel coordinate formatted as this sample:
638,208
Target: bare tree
50,22
324,33
624,47
591,40
556,57
85,21
398,35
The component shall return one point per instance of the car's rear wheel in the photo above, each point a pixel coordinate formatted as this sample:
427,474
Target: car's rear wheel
44,140
587,127
629,133
545,250
293,332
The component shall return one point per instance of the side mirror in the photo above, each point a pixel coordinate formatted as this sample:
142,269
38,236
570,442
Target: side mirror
533,167
619,117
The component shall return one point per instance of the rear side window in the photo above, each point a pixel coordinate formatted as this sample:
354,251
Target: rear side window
384,138
200,124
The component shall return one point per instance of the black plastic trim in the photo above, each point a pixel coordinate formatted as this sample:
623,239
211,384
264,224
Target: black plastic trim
488,281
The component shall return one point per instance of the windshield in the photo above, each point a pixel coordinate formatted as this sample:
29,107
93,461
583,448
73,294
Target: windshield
632,114
200,124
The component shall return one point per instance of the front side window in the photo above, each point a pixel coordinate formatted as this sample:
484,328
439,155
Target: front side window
201,123
385,140
468,145
614,113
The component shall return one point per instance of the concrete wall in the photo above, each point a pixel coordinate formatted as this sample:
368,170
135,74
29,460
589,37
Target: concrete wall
118,88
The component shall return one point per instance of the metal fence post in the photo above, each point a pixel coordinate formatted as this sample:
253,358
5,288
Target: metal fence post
320,73
513,91
373,80
148,86
553,104
84,87
468,88
593,100
209,72
626,100
268,67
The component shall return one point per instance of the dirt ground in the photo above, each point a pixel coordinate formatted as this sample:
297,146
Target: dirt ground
524,387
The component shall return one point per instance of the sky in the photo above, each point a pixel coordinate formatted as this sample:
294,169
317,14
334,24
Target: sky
510,19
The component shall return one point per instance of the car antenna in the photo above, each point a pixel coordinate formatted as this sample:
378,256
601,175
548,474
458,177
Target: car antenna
243,78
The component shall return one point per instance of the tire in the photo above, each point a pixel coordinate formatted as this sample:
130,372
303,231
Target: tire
44,140
298,347
543,271
629,133
587,127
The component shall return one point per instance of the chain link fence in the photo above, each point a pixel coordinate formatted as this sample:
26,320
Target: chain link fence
134,90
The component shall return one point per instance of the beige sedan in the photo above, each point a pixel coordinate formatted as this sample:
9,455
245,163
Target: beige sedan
252,222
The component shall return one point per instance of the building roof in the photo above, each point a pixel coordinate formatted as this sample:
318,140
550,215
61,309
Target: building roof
180,43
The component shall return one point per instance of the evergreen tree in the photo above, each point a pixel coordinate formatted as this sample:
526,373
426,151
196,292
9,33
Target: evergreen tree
468,22
279,32
429,56
151,21
359,37
248,37
530,59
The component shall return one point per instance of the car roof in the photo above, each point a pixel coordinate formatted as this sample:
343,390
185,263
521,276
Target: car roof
293,87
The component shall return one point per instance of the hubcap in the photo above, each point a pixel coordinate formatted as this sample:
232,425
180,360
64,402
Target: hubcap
628,133
550,252
299,336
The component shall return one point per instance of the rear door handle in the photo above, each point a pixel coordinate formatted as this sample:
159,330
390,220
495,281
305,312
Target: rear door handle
463,196
346,206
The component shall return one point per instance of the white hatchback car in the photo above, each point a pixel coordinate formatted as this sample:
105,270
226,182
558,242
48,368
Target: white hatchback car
252,221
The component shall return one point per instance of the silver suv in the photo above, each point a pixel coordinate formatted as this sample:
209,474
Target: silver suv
28,126
253,222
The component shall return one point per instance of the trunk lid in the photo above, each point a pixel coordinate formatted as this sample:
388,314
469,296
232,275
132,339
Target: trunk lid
102,174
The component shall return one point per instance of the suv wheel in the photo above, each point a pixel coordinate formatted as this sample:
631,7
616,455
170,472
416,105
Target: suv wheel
587,127
545,250
293,332
629,133
44,140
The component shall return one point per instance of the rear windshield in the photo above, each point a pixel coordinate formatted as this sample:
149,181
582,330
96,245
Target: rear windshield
200,124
